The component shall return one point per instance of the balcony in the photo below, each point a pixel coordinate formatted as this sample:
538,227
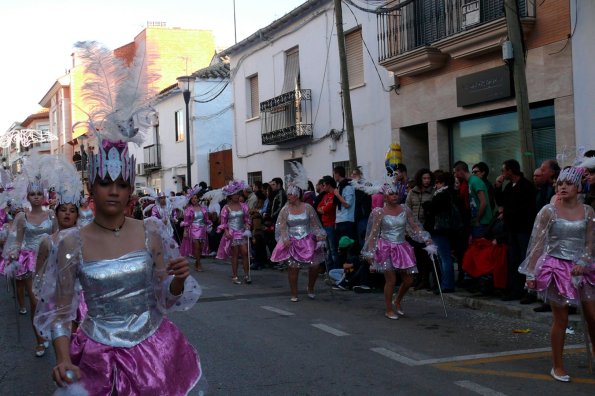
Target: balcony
422,35
152,156
287,117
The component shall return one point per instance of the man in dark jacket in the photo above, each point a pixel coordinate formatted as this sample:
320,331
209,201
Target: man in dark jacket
517,199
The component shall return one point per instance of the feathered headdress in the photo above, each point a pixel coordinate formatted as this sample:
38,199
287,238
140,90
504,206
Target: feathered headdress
118,94
234,187
297,182
32,173
63,177
6,186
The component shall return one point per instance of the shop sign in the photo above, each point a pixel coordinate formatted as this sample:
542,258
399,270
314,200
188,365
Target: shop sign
485,86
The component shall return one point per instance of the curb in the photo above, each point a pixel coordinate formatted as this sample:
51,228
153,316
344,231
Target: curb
490,304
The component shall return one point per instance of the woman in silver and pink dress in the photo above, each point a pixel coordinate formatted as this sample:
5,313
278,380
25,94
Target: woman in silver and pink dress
196,224
235,225
388,251
300,240
559,262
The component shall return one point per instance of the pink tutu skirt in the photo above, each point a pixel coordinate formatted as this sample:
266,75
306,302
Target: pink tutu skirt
237,239
553,281
391,256
163,364
197,232
187,250
299,252
24,269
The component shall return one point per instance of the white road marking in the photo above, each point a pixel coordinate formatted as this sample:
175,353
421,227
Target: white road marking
277,310
331,330
395,356
479,389
413,362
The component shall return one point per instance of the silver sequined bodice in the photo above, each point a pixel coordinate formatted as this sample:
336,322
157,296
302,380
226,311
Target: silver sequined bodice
85,217
236,220
567,239
34,233
298,225
199,219
120,297
392,228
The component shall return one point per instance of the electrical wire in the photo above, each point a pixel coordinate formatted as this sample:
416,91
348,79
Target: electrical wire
381,10
573,29
368,50
214,97
328,47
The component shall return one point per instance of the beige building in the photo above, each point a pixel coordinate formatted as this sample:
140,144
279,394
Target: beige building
456,95
175,52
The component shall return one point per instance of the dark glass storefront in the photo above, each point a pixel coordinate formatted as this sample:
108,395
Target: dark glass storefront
495,138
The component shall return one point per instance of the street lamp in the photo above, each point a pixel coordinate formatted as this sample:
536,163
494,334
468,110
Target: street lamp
184,85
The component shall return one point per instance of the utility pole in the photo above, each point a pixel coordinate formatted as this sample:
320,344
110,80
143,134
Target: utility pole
345,86
515,35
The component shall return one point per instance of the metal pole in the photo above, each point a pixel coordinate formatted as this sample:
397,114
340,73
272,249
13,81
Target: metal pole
345,86
520,85
186,94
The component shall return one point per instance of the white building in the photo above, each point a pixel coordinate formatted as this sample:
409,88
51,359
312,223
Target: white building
162,161
583,70
287,95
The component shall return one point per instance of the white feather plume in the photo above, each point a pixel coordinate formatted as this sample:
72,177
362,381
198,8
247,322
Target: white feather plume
299,177
216,195
117,93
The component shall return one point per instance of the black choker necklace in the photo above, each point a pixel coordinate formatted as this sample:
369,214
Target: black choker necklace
116,230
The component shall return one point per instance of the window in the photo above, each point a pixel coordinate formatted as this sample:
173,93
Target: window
291,82
254,105
179,121
355,57
254,176
344,164
495,138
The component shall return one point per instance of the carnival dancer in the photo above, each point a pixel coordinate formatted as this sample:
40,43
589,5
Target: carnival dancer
163,211
299,234
30,227
127,268
388,251
85,213
196,224
68,193
235,225
559,262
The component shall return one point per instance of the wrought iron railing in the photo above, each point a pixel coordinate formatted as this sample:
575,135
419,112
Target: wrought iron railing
152,156
424,22
286,117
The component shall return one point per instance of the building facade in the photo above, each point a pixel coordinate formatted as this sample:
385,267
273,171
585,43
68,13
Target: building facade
172,53
287,95
456,100
161,163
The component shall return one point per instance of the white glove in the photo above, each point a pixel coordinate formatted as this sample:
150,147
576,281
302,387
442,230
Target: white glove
431,249
247,234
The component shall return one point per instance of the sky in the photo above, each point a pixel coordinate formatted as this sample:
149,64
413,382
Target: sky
37,36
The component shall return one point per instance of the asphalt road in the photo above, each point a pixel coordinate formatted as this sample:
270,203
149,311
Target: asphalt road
253,341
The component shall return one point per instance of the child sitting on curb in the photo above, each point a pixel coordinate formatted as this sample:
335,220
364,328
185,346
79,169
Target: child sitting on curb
354,273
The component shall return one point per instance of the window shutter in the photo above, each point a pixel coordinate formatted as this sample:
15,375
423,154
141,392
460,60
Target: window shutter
254,103
355,58
292,70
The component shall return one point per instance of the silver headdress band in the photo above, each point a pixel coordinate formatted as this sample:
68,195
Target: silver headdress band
572,174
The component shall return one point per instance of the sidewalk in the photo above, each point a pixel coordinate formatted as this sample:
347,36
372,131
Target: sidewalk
460,298
493,304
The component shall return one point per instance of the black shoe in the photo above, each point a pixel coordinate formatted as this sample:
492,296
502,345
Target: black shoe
543,308
530,298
